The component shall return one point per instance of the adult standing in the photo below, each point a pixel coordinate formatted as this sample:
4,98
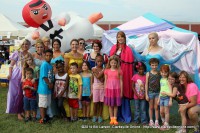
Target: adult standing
126,63
70,57
193,94
90,57
57,55
15,94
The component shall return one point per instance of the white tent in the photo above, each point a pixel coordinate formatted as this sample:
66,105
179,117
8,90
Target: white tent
9,27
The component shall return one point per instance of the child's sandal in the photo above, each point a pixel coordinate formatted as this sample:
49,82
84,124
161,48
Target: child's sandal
111,121
115,122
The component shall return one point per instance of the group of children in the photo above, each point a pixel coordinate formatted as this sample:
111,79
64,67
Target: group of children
156,87
86,86
102,85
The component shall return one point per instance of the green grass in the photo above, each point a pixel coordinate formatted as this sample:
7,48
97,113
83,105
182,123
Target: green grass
10,124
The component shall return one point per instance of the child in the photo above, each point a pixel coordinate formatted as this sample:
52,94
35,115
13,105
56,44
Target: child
86,89
139,93
178,93
113,87
30,103
75,89
60,87
164,101
152,90
98,88
45,85
29,63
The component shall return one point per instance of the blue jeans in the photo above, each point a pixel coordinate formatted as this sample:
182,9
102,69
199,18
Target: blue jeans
30,104
164,101
140,111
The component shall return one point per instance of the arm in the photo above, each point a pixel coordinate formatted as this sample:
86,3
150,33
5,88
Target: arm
96,74
11,68
193,102
146,86
133,87
50,85
121,85
66,64
80,92
138,56
105,77
168,60
91,86
172,93
158,102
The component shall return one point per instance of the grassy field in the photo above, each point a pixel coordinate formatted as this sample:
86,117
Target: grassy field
10,124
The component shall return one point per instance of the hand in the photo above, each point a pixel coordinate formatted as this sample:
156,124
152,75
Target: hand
94,70
9,76
147,98
158,102
163,93
91,96
50,85
141,97
170,103
121,94
35,35
33,80
79,98
62,22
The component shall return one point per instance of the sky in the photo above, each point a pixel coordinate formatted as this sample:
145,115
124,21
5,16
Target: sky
113,10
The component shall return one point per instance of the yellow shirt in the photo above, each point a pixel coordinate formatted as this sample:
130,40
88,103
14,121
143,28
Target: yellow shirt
71,59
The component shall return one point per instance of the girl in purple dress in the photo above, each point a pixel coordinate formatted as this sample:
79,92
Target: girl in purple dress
15,95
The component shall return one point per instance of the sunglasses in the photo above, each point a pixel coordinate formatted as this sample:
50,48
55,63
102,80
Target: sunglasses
81,43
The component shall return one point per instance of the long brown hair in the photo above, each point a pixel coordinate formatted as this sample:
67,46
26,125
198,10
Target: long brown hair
188,78
122,34
25,65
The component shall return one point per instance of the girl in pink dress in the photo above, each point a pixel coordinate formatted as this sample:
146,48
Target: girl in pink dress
113,87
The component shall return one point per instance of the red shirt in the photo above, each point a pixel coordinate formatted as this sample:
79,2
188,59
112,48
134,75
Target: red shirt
28,92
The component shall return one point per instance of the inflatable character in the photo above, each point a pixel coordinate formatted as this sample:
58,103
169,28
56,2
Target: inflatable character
37,13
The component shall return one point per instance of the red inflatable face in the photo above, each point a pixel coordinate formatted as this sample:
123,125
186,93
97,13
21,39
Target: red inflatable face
36,13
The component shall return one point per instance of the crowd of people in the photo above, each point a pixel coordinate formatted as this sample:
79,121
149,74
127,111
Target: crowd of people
41,82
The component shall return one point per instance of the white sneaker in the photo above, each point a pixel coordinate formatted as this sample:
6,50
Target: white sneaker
151,123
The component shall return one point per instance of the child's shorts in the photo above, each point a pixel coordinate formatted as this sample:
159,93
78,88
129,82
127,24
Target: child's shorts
164,101
153,95
44,100
73,103
30,104
85,99
98,95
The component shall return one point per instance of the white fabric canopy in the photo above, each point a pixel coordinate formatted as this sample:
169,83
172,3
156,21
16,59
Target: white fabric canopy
8,26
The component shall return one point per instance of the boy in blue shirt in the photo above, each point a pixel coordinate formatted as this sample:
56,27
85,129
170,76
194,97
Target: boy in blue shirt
45,85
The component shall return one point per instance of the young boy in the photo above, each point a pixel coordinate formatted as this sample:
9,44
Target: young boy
30,103
152,90
75,89
45,85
